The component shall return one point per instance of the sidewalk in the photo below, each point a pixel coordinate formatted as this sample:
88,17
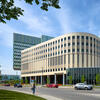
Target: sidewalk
66,86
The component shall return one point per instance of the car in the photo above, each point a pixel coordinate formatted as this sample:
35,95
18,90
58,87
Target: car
52,85
17,85
83,86
6,84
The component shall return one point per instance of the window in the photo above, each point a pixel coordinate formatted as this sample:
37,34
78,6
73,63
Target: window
91,44
73,37
86,37
64,68
65,38
77,60
58,69
78,43
61,69
68,44
86,44
68,38
87,50
68,50
61,46
82,37
61,52
78,37
61,40
91,38
77,50
73,50
58,52
90,51
64,51
82,50
73,43
82,43
64,45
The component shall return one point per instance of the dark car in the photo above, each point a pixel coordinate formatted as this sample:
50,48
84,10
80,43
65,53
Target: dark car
6,84
17,85
52,85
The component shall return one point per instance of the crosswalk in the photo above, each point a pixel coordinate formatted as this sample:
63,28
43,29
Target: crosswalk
88,94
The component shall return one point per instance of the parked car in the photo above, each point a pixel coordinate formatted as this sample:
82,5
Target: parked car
17,85
83,86
52,85
6,84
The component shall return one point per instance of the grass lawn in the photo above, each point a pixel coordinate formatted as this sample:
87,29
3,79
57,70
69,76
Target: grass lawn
12,95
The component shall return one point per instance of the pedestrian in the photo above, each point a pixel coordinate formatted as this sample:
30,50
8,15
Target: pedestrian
33,88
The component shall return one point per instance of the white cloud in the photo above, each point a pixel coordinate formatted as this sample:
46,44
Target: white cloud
63,16
6,35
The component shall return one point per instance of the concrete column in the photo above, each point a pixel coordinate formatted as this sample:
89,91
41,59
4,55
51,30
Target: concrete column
63,79
41,80
55,78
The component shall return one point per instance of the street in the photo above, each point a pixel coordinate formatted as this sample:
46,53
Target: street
62,93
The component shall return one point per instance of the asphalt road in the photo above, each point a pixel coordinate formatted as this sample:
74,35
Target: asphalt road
64,93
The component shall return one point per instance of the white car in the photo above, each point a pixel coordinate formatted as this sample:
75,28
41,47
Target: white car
83,86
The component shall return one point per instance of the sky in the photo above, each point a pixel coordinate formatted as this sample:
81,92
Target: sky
74,16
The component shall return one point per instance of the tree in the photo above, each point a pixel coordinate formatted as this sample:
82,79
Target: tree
9,11
82,78
48,80
21,81
26,81
70,79
97,78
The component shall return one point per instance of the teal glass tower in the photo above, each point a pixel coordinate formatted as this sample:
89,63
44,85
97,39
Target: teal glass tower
21,42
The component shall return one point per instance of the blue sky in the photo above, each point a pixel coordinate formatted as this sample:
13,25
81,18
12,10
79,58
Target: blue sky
74,16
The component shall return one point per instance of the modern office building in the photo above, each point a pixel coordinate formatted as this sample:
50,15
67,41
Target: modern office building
21,42
45,38
50,59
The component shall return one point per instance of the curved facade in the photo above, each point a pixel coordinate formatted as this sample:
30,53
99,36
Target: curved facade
52,57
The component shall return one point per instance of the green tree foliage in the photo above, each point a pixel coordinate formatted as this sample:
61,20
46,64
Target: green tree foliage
26,81
70,79
48,80
97,78
21,81
9,11
82,78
